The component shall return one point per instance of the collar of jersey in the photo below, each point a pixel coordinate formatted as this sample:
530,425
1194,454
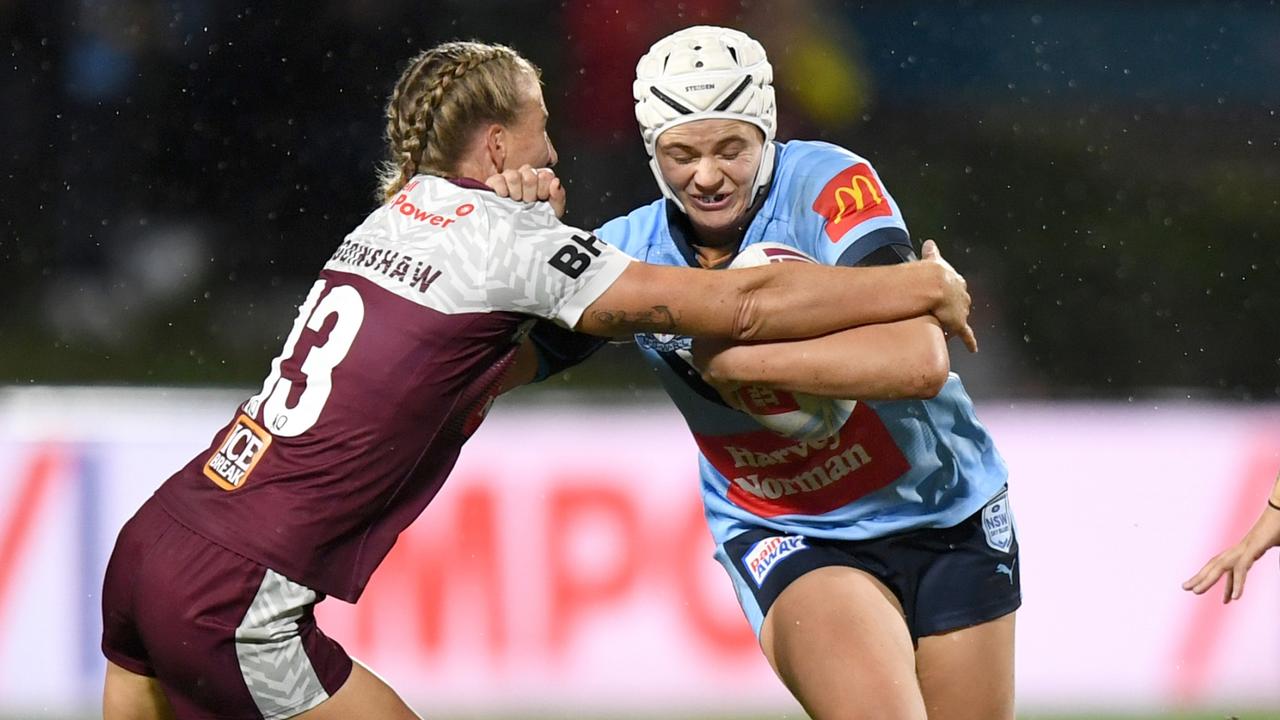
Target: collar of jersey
469,183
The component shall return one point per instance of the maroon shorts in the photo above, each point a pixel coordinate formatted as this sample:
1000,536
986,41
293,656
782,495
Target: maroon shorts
226,637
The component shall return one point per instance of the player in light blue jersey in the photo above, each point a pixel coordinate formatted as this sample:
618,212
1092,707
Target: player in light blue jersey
879,565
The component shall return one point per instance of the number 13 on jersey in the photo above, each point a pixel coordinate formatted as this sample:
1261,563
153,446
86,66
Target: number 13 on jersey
343,302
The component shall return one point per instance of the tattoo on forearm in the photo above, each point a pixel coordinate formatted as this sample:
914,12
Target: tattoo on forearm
658,318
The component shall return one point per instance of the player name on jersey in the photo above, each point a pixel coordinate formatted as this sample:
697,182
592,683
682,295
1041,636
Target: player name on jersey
399,266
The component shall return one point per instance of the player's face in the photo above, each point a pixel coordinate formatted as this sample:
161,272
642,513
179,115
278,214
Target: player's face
527,140
710,164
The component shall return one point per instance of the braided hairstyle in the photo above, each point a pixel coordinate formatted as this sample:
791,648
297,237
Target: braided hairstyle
442,97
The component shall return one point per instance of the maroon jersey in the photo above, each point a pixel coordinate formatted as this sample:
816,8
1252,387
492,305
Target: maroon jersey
394,358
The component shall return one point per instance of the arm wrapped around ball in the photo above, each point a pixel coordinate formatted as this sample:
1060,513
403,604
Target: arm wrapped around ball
890,361
805,388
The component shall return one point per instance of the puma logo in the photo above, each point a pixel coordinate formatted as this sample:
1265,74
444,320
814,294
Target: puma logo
1006,570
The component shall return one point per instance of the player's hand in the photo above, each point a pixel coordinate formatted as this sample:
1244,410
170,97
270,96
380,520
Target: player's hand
526,184
953,311
1234,562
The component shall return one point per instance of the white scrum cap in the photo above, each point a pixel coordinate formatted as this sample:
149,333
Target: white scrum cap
705,73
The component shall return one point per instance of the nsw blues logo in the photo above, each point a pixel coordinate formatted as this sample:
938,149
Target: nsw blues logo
997,523
665,342
767,553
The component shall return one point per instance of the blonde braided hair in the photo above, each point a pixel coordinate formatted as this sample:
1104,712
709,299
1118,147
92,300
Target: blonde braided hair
441,98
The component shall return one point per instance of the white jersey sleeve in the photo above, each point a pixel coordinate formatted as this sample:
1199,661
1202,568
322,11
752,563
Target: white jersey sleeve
460,249
540,266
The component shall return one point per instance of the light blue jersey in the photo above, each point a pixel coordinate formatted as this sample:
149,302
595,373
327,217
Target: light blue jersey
895,465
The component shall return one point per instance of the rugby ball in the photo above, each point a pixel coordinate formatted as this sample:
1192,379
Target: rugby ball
795,415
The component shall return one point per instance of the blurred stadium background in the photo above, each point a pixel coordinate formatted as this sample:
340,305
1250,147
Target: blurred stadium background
1105,174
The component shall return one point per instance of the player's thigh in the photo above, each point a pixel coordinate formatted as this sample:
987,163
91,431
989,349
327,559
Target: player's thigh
363,695
967,674
130,696
837,638
964,606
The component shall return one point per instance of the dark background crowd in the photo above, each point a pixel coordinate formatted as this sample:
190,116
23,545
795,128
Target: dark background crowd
1106,174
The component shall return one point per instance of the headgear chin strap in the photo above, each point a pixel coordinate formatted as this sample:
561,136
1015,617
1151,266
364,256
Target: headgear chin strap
705,73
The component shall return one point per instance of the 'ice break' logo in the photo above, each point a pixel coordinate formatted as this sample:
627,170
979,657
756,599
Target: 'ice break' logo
767,553
241,449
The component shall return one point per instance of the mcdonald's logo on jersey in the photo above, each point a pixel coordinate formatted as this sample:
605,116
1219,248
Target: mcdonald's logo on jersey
849,199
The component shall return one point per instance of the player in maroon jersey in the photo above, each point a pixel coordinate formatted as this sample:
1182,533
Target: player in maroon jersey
400,346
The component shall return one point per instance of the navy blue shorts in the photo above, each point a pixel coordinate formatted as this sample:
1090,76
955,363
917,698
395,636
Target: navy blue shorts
945,578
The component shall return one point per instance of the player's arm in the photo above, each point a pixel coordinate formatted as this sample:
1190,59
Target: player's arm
777,301
760,303
1235,561
877,361
887,361
548,350
523,371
